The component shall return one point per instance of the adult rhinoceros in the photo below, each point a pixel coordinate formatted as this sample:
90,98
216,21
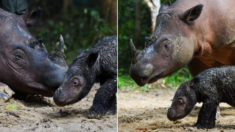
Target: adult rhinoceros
197,33
25,65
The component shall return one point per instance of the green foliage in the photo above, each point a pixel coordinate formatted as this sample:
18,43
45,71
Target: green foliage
162,1
125,80
178,77
81,26
126,30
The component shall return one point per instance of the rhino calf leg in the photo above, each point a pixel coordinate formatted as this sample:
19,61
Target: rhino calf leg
6,92
102,99
206,117
112,109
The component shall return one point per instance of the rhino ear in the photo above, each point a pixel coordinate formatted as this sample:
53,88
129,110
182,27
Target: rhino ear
91,59
194,82
31,18
164,6
191,14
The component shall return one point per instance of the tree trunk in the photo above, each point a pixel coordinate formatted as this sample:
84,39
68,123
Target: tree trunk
154,7
137,20
109,12
65,6
106,4
113,17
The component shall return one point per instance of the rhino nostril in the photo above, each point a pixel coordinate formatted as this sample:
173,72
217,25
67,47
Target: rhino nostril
144,78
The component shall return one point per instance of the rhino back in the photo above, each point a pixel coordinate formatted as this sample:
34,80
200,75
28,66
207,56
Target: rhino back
107,55
218,83
216,21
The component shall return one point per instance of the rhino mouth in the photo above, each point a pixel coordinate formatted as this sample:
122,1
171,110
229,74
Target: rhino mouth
155,77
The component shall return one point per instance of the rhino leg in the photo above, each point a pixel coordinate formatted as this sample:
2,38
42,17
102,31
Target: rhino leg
102,99
112,106
206,117
6,92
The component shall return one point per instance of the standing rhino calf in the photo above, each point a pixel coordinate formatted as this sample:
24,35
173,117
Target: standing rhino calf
211,87
97,65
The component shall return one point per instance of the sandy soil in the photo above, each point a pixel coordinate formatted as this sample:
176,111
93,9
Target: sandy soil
147,110
42,115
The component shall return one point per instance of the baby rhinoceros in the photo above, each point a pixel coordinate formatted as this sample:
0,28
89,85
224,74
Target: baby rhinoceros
211,87
97,65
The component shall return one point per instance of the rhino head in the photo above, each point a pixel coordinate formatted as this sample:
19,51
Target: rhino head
170,47
25,64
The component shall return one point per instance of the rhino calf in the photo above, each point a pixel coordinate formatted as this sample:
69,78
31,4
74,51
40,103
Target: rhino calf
211,87
97,65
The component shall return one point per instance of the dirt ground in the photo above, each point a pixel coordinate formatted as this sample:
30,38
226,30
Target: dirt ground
42,115
147,110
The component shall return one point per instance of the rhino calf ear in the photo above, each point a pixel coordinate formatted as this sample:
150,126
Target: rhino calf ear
31,18
191,14
164,6
83,53
194,82
91,59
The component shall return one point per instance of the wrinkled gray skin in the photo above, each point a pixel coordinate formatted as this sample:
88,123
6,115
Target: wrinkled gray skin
97,65
211,87
25,65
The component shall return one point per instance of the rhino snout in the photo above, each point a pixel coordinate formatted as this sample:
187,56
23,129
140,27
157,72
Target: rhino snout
141,73
58,98
171,114
148,70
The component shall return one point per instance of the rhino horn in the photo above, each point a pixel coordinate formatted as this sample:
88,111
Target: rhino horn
61,47
133,49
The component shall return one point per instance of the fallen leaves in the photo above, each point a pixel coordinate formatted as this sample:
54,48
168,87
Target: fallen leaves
142,128
12,107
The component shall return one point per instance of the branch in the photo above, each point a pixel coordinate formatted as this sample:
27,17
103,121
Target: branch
149,4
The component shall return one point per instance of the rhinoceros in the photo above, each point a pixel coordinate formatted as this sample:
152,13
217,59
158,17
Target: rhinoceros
197,33
25,65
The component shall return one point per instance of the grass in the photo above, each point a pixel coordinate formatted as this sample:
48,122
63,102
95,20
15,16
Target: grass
174,80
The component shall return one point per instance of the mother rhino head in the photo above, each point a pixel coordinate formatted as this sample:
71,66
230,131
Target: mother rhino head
25,64
170,47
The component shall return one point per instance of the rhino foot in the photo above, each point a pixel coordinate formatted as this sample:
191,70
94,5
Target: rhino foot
112,106
6,93
96,111
204,126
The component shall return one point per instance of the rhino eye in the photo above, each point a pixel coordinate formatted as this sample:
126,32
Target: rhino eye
18,56
180,101
75,82
167,46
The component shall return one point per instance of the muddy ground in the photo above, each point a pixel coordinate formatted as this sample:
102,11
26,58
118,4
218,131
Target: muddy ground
42,115
147,110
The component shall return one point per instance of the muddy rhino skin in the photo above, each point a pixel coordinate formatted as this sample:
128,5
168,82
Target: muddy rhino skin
210,87
97,65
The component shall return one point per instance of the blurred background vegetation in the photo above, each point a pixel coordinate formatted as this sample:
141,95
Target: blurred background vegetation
126,30
81,22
